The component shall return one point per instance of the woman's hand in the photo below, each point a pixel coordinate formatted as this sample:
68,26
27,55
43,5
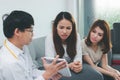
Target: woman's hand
75,66
116,75
52,68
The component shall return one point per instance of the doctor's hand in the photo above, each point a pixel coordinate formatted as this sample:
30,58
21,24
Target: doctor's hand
52,69
56,77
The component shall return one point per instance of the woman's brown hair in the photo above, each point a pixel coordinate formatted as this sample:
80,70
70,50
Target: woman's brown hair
106,41
70,41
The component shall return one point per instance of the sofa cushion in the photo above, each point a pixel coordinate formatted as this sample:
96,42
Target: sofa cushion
115,62
37,50
115,59
116,38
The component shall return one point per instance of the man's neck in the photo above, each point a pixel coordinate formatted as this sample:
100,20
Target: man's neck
16,43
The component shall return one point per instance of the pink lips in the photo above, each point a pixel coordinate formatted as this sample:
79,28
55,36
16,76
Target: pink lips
64,36
93,39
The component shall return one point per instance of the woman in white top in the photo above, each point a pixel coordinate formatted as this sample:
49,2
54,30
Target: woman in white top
65,42
95,48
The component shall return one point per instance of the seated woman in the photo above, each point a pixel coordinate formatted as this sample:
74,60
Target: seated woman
95,48
65,42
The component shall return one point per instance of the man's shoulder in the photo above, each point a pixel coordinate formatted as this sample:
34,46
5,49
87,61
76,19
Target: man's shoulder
5,57
2,51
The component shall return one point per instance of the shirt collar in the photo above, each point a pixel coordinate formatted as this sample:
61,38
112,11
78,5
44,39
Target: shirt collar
17,51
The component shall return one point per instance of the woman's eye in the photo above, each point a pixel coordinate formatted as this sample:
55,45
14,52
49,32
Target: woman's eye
94,31
69,28
61,27
100,34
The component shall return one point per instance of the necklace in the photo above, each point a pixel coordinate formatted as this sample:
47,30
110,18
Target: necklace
11,52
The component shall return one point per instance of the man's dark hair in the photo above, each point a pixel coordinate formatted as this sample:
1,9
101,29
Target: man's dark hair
16,19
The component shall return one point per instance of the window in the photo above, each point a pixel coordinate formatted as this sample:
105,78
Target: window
108,10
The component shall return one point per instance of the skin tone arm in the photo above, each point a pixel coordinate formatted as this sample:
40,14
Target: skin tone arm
75,66
105,69
51,70
114,73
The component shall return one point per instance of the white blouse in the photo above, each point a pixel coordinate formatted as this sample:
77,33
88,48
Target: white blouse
50,49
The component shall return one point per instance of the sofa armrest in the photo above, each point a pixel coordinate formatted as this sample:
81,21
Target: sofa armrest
110,57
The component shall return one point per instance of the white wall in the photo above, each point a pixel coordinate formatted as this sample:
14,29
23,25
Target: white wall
76,8
81,18
43,12
72,8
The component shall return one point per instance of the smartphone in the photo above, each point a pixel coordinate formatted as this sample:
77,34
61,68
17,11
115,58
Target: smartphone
65,71
50,59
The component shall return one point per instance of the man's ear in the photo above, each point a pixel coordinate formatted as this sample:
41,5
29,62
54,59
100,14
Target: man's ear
16,32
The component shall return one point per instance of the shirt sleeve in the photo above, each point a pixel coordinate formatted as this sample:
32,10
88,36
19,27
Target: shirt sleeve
6,73
40,78
1,77
36,74
49,46
84,47
78,56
